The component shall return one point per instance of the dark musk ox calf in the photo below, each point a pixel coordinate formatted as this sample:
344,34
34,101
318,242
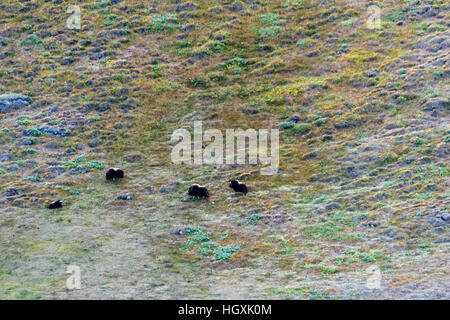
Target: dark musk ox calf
114,173
55,204
198,191
238,186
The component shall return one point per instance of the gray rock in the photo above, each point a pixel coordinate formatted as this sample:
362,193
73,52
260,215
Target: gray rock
179,232
436,104
352,173
170,187
392,234
11,192
333,205
249,111
94,143
294,119
237,7
13,168
371,73
133,158
188,28
79,170
125,196
55,171
148,190
186,7
5,157
12,102
30,164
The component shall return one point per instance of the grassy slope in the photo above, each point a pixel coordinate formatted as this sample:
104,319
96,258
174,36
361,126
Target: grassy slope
371,151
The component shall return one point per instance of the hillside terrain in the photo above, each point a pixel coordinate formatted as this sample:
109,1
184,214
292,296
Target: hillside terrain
364,149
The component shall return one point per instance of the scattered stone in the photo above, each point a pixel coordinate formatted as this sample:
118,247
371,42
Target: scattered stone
5,157
94,143
56,132
79,170
125,196
436,104
352,173
133,158
179,232
12,168
188,28
186,7
332,206
310,155
294,119
392,234
10,192
237,7
169,188
371,74
148,190
55,171
13,102
249,111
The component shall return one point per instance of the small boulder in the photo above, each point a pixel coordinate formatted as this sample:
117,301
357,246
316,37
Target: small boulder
294,119
169,188
11,192
13,102
133,158
125,196
436,104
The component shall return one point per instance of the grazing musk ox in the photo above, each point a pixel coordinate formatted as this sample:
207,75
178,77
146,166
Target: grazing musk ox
198,191
114,173
55,204
238,186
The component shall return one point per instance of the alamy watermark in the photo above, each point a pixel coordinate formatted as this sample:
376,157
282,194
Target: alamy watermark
74,21
74,281
374,18
374,277
234,151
